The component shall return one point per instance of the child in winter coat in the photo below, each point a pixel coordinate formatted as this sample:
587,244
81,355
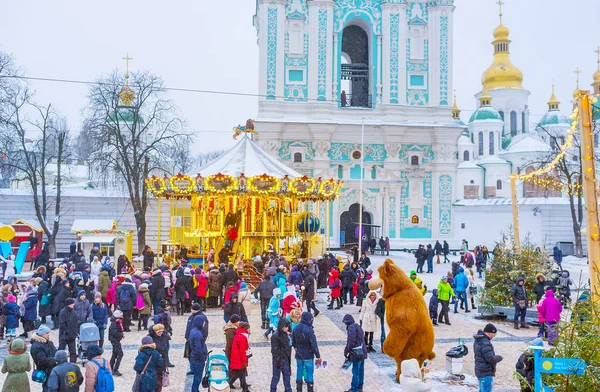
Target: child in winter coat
16,364
541,320
433,306
550,310
414,378
368,318
30,304
273,312
12,313
335,284
146,311
100,316
115,335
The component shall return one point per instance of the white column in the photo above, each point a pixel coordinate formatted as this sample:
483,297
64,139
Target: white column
281,27
334,69
402,60
433,28
379,86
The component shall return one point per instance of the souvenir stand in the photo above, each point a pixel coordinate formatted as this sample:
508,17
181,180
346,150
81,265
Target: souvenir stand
104,235
245,200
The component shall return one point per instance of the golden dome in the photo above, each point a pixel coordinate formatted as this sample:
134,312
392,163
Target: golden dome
501,33
502,73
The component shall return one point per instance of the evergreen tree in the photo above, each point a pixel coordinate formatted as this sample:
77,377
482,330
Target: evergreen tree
506,266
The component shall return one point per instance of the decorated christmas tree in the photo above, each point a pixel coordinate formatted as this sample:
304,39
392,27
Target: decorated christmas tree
506,265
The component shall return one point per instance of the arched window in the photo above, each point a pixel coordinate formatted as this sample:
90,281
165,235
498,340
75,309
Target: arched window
414,220
340,172
480,143
492,142
298,157
355,47
499,184
513,123
414,160
466,155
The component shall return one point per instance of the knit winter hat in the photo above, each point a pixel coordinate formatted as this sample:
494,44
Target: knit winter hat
98,294
490,328
61,356
11,298
276,291
69,301
196,307
117,314
158,328
235,318
146,340
187,272
143,288
42,330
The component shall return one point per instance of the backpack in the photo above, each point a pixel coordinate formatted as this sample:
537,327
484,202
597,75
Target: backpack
104,380
139,303
124,296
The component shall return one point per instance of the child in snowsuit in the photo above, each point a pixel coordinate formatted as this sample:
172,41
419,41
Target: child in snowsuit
273,312
433,306
12,313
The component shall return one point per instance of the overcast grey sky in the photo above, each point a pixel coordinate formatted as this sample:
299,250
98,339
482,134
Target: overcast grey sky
211,45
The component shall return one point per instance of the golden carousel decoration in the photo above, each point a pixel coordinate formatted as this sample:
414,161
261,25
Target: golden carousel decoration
246,200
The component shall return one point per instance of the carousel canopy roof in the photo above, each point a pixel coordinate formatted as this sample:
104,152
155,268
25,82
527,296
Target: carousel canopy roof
246,157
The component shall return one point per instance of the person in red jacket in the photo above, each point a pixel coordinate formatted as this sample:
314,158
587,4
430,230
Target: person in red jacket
240,352
202,289
233,235
289,298
335,284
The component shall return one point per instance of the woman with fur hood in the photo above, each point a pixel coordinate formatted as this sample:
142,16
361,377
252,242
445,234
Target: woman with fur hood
369,321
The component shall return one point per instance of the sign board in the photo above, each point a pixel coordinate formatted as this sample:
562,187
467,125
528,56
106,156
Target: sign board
553,366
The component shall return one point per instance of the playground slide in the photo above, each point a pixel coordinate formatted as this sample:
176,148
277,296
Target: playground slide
5,249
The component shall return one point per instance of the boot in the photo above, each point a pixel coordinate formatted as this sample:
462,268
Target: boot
524,325
516,325
310,386
299,386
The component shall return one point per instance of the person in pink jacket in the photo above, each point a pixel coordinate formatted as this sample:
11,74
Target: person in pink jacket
550,311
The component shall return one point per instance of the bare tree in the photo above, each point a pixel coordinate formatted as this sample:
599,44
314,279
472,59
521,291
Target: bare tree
133,129
34,148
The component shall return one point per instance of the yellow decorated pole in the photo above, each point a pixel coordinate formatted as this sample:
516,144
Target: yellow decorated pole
588,168
515,212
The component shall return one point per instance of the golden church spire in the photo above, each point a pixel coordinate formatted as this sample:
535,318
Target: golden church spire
553,102
577,91
455,109
502,73
126,95
596,76
485,99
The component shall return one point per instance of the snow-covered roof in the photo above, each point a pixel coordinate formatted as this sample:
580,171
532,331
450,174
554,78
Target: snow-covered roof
468,165
246,157
491,160
93,224
463,140
508,201
31,222
527,142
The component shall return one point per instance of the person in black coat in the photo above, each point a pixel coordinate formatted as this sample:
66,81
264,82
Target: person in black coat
446,251
157,289
161,339
307,349
115,335
42,352
126,298
433,306
68,329
265,291
429,254
324,272
347,276
281,351
230,276
380,312
420,255
148,257
309,291
182,285
45,303
355,352
61,291
234,307
485,358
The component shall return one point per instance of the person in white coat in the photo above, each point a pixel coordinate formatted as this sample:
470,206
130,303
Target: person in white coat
369,321
414,378
244,297
472,290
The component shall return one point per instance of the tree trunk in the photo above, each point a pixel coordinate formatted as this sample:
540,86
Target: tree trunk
140,222
51,245
576,227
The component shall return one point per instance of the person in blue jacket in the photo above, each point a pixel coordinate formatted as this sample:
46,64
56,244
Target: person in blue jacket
307,349
150,360
273,312
30,305
198,351
11,311
461,283
100,316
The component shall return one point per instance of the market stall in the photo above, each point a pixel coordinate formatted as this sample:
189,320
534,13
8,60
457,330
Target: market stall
28,230
104,235
243,203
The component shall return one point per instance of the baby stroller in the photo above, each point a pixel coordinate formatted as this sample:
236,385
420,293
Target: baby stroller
217,371
88,334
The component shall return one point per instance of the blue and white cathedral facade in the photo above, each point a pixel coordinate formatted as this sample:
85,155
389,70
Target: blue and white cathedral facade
327,67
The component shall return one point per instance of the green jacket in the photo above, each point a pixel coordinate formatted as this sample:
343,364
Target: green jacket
445,291
17,366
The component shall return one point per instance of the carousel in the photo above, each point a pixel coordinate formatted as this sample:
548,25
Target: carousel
243,204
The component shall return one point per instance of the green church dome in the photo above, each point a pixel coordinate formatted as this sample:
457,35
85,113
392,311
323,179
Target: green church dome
485,113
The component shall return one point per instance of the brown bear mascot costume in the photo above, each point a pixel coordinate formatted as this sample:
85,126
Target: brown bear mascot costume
411,329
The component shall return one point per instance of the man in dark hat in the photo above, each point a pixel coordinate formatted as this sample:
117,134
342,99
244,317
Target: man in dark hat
485,357
68,329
